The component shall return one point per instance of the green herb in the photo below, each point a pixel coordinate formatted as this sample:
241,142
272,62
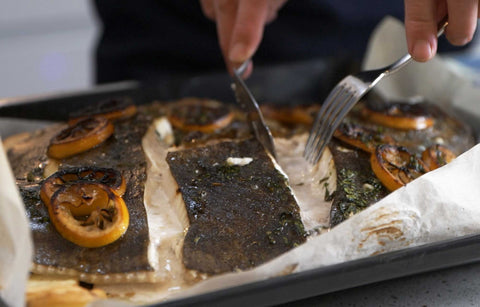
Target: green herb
357,197
440,156
228,171
414,164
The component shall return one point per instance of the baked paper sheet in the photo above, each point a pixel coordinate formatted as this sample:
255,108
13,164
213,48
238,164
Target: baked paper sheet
432,208
440,80
15,239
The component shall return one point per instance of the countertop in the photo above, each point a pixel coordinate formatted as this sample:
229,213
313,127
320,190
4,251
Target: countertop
456,286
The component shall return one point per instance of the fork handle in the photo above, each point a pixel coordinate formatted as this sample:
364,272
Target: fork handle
442,25
407,58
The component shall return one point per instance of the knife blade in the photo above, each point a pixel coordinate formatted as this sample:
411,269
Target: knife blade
250,106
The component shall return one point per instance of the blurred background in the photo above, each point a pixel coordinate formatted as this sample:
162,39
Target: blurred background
48,46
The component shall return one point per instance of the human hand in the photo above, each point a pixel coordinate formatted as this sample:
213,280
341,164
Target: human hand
422,16
240,25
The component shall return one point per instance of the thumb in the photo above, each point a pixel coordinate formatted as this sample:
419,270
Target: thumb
421,28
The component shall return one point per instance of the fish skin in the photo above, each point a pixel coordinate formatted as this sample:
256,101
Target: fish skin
457,135
353,172
122,151
240,216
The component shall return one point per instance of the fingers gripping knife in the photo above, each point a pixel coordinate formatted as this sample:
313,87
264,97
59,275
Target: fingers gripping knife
249,105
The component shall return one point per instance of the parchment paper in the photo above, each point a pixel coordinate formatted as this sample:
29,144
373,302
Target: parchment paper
433,207
439,80
440,205
15,239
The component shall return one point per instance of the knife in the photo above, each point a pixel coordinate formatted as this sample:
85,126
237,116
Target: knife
250,106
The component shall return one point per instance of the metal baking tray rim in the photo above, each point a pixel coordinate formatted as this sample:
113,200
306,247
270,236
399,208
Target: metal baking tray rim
296,286
44,109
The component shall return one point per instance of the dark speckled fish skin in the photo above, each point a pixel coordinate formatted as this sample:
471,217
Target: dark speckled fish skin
353,165
240,216
353,172
122,151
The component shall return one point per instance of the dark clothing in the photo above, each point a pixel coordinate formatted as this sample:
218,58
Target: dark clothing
144,39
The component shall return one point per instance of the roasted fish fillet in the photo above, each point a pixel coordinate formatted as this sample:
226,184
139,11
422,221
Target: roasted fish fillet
52,253
213,230
240,208
415,127
208,200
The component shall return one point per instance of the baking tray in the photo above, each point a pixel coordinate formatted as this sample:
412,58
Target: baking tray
293,83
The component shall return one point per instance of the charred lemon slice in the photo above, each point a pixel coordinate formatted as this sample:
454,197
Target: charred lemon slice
112,109
107,176
395,166
436,156
80,137
399,115
361,137
202,115
88,214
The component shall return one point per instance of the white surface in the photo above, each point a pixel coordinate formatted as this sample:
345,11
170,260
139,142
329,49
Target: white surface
15,238
45,46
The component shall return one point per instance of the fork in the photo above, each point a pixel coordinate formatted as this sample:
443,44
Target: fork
342,99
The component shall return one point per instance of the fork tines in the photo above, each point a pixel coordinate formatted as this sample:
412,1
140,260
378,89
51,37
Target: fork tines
340,100
343,97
